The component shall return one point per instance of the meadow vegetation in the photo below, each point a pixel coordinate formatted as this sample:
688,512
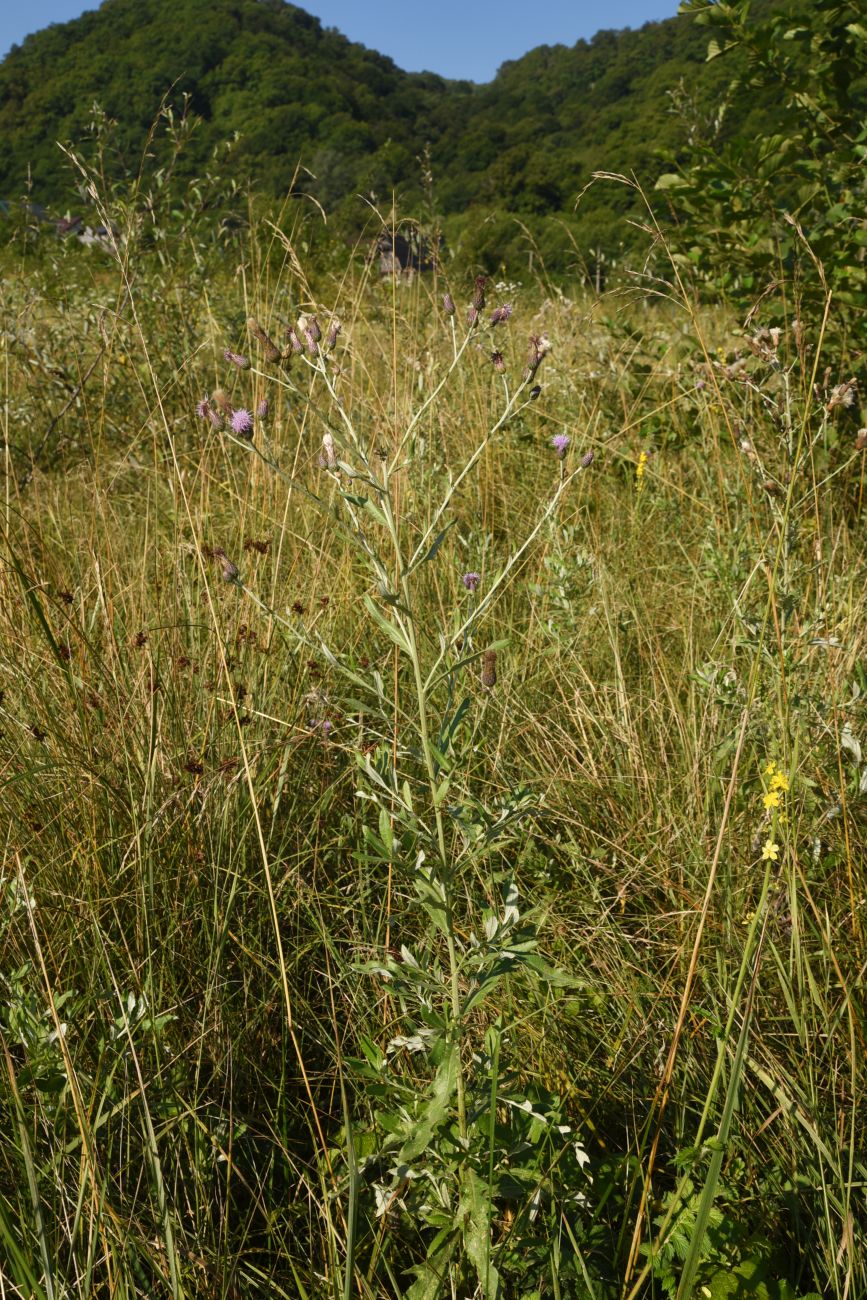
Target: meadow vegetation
433,794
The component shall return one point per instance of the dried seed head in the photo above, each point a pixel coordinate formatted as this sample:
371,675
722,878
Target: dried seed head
269,347
539,348
489,669
329,452
498,362
861,440
221,400
843,395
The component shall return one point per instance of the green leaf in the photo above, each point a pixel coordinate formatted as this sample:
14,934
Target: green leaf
390,629
431,1275
436,1109
432,549
475,1211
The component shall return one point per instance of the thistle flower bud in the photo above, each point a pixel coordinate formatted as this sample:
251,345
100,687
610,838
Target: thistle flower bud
489,669
535,391
206,412
472,317
230,571
262,409
500,314
448,304
269,347
498,362
333,331
587,460
294,341
237,359
479,292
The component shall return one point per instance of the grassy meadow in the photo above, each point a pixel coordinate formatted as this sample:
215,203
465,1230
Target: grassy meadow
433,857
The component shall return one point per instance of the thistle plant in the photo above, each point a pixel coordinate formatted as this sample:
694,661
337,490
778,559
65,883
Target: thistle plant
454,1124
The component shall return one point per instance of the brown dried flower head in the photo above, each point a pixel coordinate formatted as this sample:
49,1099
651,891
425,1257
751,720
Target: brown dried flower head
489,669
269,347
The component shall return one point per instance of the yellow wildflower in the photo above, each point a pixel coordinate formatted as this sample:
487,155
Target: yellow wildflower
771,768
770,851
779,781
771,799
640,470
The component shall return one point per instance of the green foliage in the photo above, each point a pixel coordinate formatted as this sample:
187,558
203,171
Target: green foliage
331,966
267,75
783,206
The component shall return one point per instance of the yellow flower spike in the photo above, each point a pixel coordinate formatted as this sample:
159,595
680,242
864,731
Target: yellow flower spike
770,851
779,781
771,799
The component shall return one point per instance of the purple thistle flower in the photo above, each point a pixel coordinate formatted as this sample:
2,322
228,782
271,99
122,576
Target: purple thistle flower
262,409
242,423
560,443
237,359
500,314
471,581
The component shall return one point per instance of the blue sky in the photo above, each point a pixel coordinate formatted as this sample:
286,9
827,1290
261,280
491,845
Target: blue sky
457,38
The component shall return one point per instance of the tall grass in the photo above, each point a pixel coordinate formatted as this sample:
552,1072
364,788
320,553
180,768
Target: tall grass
332,968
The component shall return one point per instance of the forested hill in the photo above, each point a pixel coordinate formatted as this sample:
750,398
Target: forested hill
525,143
